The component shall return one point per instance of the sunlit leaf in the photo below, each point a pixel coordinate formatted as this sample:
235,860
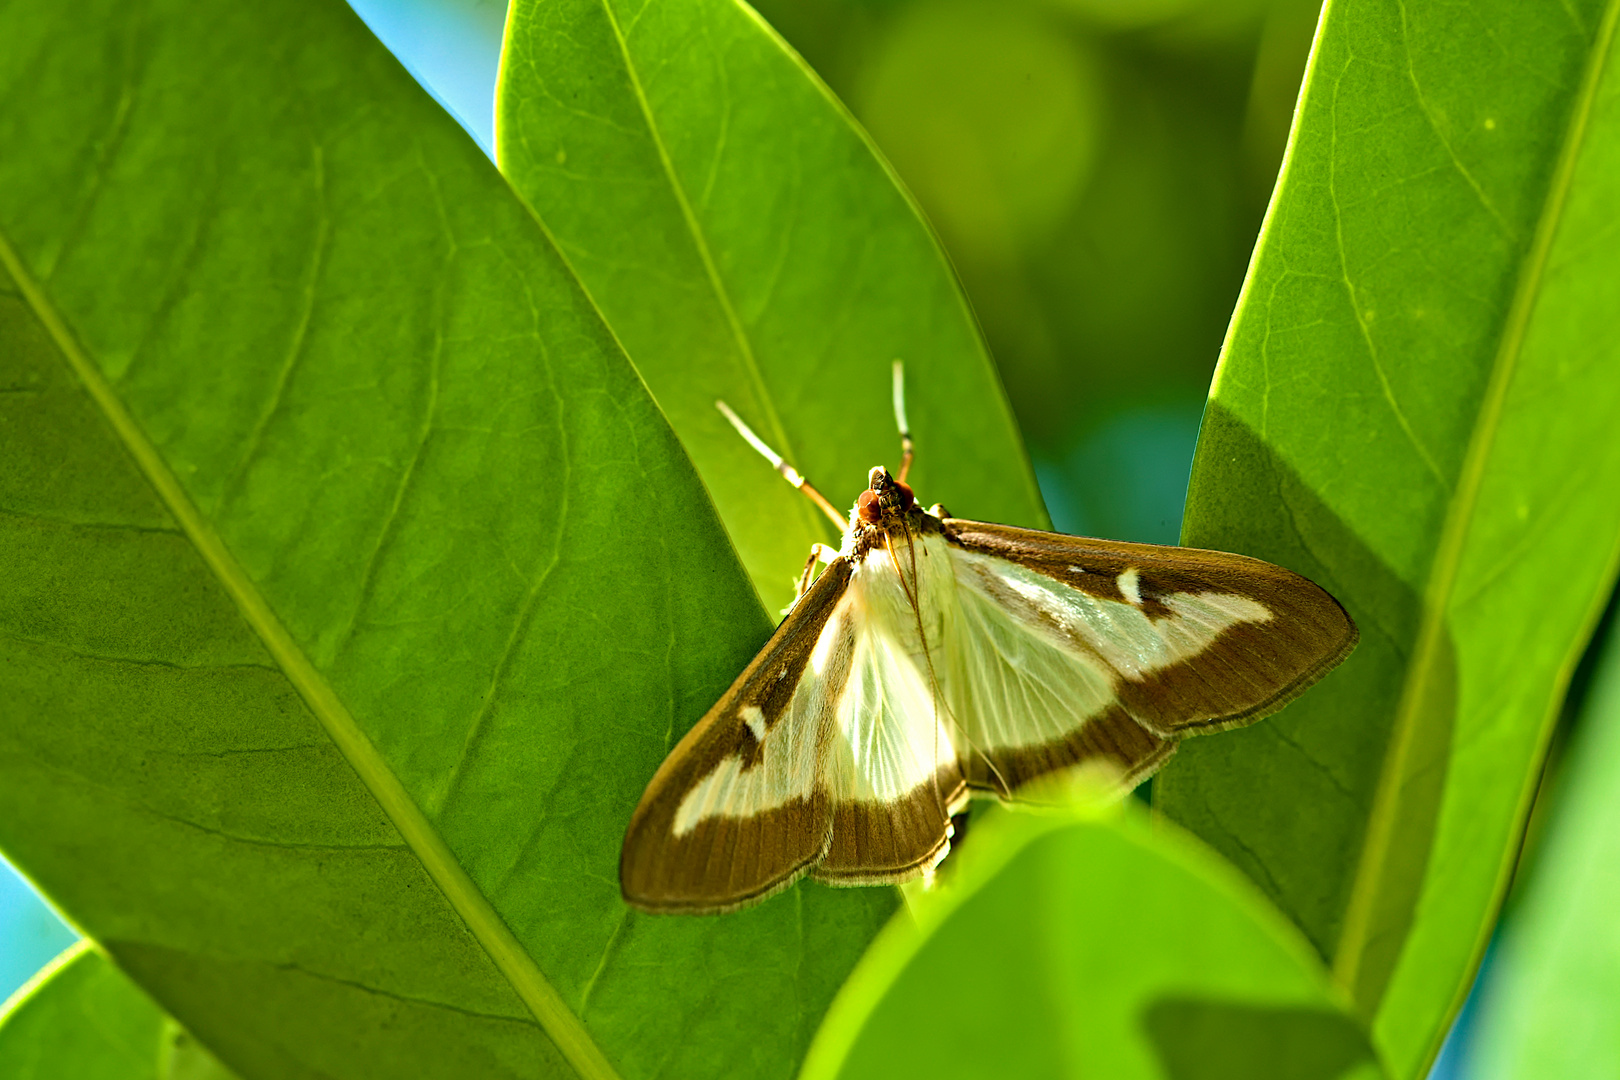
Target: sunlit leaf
1074,944
745,242
83,1019
1553,991
1416,408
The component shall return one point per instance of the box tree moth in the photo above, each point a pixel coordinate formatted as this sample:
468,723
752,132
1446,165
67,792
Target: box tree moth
936,658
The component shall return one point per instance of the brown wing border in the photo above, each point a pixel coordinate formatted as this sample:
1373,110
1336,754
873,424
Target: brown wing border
708,743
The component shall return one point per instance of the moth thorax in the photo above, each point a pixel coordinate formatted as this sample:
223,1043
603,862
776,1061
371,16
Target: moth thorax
884,495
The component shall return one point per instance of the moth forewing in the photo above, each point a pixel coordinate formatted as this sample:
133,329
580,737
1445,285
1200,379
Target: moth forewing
738,810
1021,700
1189,639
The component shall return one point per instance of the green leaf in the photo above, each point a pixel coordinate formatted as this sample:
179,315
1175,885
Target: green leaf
1090,944
82,1018
745,241
353,585
1553,990
1415,407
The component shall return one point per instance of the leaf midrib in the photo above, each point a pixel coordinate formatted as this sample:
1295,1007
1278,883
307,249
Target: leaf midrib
700,241
559,1023
700,244
1368,884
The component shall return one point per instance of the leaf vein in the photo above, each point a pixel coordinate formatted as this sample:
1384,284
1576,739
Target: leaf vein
1439,136
499,943
407,999
1355,304
610,951
520,625
424,433
109,526
111,144
1358,933
104,658
700,242
300,338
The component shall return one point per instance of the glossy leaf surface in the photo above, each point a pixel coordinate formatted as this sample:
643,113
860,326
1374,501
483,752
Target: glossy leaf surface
354,586
1553,990
82,1018
745,242
1074,944
1415,407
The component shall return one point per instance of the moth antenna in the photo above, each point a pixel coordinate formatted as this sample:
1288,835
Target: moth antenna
900,418
789,473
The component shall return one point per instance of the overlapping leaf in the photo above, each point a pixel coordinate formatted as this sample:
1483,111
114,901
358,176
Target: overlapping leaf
83,1018
1415,407
1079,944
1552,994
745,242
353,584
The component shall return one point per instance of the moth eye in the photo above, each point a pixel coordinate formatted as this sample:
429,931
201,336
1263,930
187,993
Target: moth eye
867,507
906,496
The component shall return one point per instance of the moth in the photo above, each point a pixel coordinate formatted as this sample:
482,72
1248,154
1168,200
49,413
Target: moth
937,658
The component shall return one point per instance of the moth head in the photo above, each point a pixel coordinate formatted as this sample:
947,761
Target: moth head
883,496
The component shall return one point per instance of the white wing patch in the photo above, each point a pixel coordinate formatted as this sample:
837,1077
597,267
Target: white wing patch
1027,614
1018,659
1009,686
1130,586
754,717
892,736
789,761
888,736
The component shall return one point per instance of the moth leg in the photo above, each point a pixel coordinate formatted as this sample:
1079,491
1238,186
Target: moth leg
807,577
911,892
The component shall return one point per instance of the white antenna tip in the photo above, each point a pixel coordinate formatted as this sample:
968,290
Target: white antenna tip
748,433
900,398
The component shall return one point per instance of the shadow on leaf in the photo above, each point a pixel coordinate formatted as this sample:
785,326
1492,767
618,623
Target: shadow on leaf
1290,799
1202,1039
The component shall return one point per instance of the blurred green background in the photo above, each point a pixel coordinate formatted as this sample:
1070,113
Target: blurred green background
1096,169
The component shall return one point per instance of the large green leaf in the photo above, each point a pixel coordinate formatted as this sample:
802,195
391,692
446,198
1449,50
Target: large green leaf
745,241
353,585
1078,944
1552,994
1416,406
82,1018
